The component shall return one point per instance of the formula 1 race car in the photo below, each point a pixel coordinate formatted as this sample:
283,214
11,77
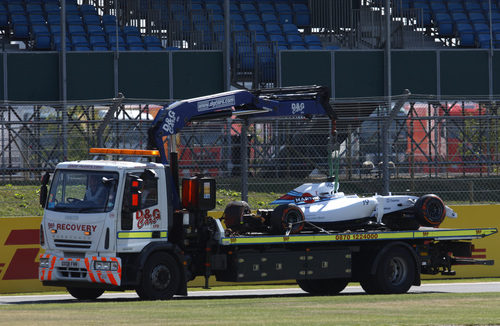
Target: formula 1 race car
319,207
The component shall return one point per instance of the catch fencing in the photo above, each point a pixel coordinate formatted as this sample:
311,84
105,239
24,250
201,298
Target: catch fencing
420,145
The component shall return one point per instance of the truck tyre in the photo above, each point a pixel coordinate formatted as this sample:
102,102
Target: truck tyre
394,273
160,277
85,293
430,210
330,286
284,215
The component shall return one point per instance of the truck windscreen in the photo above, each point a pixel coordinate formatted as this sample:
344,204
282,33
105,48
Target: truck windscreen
82,191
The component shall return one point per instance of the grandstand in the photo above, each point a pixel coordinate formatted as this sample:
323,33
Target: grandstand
259,28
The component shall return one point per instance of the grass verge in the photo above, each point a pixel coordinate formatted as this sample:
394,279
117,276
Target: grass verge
410,309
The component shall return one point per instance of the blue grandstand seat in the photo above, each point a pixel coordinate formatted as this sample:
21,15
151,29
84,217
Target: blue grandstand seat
240,39
72,10
108,20
216,18
131,30
495,27
4,16
112,30
455,7
312,40
273,29
54,19
259,38
79,41
246,58
120,48
444,24
36,19
74,20
257,28
112,40
484,40
297,47
466,34
136,48
95,30
285,12
214,8
99,48
265,7
459,17
426,11
266,62
152,43
87,9
234,8
472,6
16,9
496,41
76,30
252,19
301,13
134,41
481,28
97,40
495,17
20,26
91,20
57,43
237,28
34,9
41,37
248,8
278,39
290,29
314,47
269,18
438,7
477,17
295,39
51,8
236,19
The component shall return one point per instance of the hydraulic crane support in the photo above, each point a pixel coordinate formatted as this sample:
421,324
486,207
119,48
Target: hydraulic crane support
274,102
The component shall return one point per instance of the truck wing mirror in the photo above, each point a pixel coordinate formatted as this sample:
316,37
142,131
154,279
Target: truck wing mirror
43,189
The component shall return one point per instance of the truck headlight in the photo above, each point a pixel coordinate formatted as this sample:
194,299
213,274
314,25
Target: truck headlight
106,265
44,263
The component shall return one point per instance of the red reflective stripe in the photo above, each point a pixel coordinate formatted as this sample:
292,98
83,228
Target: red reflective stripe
99,273
91,275
52,263
42,275
119,267
112,278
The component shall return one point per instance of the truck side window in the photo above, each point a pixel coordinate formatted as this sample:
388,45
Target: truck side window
149,190
127,216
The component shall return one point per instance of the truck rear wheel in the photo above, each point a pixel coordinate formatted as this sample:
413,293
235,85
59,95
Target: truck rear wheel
394,273
330,286
160,278
85,293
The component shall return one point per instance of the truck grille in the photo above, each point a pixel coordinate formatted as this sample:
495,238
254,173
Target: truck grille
76,273
80,244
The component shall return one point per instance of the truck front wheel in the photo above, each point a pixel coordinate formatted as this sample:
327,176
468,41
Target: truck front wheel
330,286
394,274
85,293
160,278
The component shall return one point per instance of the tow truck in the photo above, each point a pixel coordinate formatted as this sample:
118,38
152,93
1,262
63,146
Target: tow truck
146,233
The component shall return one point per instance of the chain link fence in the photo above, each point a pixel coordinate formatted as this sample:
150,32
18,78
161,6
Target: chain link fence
445,146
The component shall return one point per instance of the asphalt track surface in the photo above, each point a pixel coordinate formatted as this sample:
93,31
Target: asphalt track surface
476,287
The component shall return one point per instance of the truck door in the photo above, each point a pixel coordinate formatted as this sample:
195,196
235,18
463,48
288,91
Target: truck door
142,220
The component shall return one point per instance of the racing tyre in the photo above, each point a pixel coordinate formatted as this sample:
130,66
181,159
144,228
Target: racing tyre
160,278
430,210
85,293
330,286
285,215
394,273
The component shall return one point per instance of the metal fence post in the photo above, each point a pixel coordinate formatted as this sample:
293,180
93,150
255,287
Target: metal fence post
244,160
